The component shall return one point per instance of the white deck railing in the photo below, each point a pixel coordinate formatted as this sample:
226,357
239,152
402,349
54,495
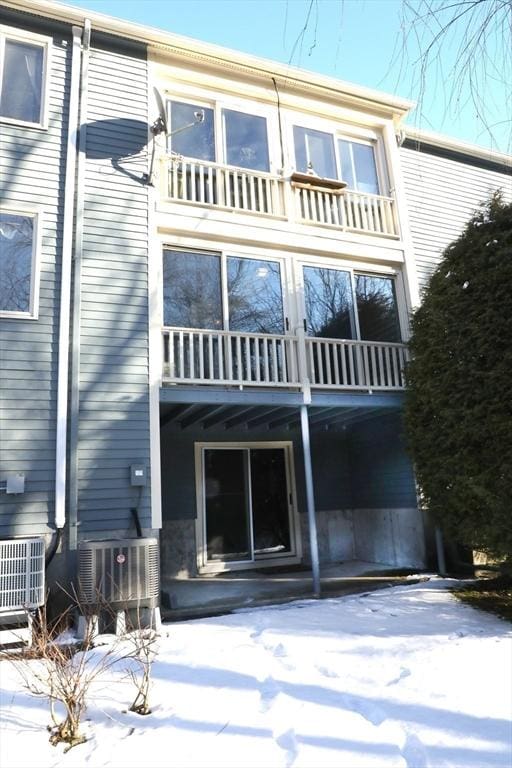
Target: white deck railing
199,181
220,357
347,364
371,214
194,356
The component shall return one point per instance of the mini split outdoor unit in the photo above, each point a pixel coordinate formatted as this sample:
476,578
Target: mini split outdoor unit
121,572
21,575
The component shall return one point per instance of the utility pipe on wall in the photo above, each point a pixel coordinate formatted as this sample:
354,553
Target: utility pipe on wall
65,284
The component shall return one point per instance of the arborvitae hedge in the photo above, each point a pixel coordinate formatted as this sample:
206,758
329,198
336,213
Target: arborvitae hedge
459,397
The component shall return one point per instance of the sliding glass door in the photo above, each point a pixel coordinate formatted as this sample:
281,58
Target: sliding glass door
247,512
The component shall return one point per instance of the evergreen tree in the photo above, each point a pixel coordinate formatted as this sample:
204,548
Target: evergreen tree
459,400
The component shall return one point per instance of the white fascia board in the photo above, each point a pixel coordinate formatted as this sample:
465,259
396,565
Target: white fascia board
189,48
455,145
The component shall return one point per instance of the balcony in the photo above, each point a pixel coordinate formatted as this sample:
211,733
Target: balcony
225,358
197,182
222,186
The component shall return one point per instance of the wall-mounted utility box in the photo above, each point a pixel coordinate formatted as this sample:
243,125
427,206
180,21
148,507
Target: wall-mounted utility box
15,484
138,474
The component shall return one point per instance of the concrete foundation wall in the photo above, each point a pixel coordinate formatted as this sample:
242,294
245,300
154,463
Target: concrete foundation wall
389,536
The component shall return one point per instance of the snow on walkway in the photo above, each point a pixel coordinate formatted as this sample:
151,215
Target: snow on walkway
405,677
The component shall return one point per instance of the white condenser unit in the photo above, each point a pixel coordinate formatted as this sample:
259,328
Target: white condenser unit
121,572
21,575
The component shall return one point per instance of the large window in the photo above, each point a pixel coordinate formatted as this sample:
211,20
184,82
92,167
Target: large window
353,161
217,291
18,263
341,306
243,141
23,68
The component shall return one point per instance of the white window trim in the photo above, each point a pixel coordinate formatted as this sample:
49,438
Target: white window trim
209,566
20,35
344,132
224,254
37,216
352,270
218,105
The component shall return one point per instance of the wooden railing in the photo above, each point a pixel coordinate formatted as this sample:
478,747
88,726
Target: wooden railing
194,356
223,186
220,357
371,214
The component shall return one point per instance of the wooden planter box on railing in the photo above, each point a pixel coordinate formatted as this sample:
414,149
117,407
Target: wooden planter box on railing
205,183
371,214
195,356
224,357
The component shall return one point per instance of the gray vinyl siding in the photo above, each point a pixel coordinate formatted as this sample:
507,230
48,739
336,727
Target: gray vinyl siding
113,379
442,194
32,166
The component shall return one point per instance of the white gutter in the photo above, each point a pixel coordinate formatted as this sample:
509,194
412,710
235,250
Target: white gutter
65,285
455,145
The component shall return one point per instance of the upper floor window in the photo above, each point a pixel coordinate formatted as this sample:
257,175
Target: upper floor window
23,68
18,263
223,135
353,161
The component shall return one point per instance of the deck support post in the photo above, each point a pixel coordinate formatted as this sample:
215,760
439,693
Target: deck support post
310,499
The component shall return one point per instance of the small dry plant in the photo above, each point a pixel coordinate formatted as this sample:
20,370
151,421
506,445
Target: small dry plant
144,648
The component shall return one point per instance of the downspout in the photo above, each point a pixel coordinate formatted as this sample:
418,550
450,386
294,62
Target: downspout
65,290
77,294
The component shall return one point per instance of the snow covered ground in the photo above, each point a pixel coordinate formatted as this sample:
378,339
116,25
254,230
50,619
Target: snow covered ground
405,677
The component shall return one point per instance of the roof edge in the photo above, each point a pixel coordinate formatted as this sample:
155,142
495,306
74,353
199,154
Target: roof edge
459,147
397,106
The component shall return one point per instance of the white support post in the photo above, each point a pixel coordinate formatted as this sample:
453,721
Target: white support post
310,499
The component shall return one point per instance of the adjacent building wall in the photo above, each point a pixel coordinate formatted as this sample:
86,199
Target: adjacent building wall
32,163
443,190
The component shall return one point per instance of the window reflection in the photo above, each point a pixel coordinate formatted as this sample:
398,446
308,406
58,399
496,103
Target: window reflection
358,166
22,81
246,140
189,137
328,297
16,245
254,296
192,290
314,150
377,309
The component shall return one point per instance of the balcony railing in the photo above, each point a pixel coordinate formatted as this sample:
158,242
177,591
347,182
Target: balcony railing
205,183
200,182
372,214
194,356
347,364
221,357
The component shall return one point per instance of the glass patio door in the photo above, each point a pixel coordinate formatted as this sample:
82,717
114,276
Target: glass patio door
247,504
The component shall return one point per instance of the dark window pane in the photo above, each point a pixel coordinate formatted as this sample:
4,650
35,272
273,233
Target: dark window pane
358,166
376,308
16,241
192,293
271,522
189,137
246,140
328,298
22,81
254,296
226,507
314,150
